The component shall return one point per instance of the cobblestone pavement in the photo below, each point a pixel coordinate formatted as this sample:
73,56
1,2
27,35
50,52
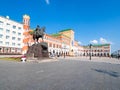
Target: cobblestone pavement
93,59
61,74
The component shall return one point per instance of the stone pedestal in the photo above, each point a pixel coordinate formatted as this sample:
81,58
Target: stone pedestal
39,51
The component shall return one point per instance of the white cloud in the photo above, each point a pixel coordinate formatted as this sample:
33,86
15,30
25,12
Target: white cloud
94,41
103,41
47,1
111,42
79,42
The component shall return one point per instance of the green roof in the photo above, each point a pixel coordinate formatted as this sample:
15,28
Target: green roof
58,34
55,35
99,45
65,30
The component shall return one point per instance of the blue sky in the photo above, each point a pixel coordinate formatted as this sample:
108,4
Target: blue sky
94,21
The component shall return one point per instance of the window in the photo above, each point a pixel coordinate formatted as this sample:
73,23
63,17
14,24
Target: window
53,45
7,24
57,46
7,43
19,39
19,44
7,31
13,49
19,28
13,44
1,22
106,47
13,38
1,29
13,32
1,42
106,50
7,37
19,34
14,27
19,50
50,45
1,35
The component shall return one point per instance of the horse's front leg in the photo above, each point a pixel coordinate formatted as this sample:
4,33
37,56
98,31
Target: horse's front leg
42,39
37,40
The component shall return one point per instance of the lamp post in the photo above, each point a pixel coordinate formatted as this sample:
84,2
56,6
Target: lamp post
64,50
118,54
90,51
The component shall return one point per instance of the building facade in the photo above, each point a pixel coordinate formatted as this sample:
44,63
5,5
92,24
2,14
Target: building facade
11,36
100,50
15,38
63,43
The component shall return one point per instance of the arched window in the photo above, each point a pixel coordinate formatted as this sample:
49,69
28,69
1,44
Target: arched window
98,54
105,54
53,51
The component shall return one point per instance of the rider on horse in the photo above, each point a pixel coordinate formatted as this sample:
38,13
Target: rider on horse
39,33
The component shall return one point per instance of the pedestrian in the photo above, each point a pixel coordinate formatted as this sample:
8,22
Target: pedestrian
64,55
55,55
118,56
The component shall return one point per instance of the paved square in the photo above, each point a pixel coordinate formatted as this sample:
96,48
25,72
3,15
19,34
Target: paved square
64,74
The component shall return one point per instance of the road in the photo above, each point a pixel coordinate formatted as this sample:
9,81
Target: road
59,75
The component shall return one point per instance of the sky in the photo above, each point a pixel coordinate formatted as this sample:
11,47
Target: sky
93,21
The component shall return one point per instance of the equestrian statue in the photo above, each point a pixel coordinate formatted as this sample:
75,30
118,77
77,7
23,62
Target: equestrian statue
38,50
38,33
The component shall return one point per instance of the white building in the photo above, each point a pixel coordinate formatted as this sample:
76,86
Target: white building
11,36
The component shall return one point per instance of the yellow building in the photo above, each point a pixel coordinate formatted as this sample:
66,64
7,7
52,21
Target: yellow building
70,34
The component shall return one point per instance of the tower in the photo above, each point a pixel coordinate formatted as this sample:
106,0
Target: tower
26,27
69,33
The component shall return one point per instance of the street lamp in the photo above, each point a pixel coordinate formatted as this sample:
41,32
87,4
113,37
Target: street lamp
118,54
90,51
64,50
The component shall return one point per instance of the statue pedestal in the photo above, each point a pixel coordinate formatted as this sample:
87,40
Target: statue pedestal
39,51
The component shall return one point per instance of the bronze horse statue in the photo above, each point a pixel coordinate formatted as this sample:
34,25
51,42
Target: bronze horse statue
38,33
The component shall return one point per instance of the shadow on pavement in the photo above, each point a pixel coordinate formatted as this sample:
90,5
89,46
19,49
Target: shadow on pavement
111,73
